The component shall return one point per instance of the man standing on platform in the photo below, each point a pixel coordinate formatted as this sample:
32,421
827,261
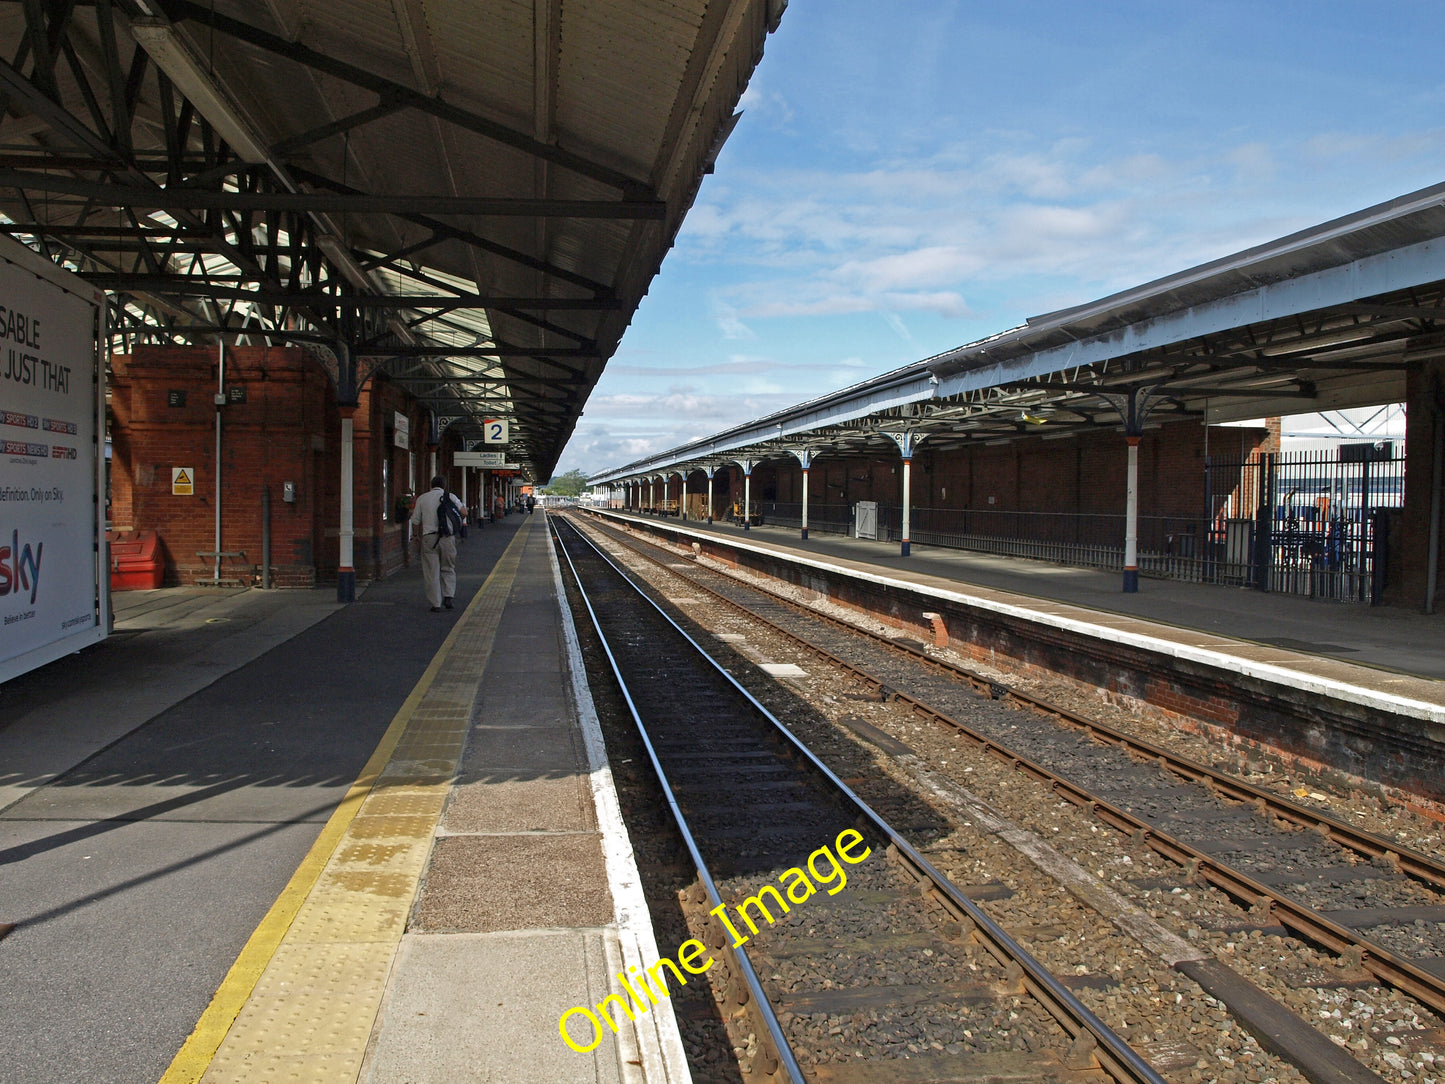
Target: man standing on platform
438,542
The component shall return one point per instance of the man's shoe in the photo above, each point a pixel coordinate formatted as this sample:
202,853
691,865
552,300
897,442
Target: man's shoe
447,602
435,610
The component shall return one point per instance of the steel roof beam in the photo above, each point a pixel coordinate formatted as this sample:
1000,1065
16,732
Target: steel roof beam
468,237
215,286
385,108
504,351
172,199
392,259
56,117
81,230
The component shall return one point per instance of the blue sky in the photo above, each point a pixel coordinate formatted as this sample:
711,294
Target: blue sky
910,176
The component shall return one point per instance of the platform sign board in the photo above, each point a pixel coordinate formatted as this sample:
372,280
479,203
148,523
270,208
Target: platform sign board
492,460
401,429
494,431
54,568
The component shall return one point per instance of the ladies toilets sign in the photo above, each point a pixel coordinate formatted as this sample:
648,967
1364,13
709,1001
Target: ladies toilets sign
54,591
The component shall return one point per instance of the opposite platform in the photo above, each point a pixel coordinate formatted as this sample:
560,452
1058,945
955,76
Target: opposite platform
1283,630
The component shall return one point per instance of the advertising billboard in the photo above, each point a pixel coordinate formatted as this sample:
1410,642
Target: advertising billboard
54,582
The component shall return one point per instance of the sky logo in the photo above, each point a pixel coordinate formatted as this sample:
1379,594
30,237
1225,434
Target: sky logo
20,567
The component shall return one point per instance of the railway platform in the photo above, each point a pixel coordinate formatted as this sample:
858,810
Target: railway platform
1280,629
260,836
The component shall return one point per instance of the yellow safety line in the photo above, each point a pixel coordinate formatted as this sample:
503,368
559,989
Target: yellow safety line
196,1053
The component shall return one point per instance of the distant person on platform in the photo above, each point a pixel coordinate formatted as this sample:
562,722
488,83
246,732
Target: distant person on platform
438,551
531,503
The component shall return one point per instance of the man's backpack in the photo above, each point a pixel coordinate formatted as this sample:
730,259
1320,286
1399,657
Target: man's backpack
449,518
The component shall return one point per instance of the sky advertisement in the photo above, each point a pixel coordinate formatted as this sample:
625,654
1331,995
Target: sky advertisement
49,599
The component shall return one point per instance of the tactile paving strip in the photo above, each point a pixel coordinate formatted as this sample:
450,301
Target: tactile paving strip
309,1014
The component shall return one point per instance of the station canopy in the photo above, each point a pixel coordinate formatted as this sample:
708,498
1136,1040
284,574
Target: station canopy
1331,317
471,196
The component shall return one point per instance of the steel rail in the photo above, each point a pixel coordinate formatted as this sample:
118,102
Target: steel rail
1264,901
1092,1037
782,1052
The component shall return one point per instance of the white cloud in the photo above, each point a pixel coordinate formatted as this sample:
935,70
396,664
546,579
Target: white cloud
932,233
733,328
918,267
727,321
1252,162
893,320
766,105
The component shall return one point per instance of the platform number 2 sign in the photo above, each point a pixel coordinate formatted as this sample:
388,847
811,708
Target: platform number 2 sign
494,431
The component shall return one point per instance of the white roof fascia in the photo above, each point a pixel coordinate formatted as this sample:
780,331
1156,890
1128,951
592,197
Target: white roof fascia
828,412
1413,265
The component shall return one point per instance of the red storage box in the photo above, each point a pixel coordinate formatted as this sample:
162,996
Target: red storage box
136,562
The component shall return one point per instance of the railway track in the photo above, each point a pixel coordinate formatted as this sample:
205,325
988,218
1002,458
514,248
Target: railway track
1265,852
894,947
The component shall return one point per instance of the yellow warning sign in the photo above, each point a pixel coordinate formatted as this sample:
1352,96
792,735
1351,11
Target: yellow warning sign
183,482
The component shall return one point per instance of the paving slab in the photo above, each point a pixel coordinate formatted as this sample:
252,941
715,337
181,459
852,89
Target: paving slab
528,748
533,803
511,703
484,1007
480,884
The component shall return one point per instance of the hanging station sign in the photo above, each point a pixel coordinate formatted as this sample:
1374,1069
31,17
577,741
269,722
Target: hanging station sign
490,460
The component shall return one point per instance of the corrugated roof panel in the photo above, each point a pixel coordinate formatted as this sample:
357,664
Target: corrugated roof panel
486,51
621,65
352,28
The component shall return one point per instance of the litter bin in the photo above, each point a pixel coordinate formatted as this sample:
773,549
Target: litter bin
136,563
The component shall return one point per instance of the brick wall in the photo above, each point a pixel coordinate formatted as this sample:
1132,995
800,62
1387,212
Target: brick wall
1082,474
278,435
287,430
385,478
1424,409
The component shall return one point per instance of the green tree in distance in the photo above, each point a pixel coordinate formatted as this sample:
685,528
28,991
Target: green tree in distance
571,484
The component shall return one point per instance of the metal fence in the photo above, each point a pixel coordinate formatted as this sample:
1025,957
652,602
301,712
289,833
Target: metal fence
1304,523
823,518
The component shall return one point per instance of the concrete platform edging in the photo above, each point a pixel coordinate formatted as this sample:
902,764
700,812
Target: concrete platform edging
655,1034
1421,709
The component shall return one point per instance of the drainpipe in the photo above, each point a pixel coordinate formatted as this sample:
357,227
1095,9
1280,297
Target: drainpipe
265,537
1432,559
805,504
220,401
907,502
1131,519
